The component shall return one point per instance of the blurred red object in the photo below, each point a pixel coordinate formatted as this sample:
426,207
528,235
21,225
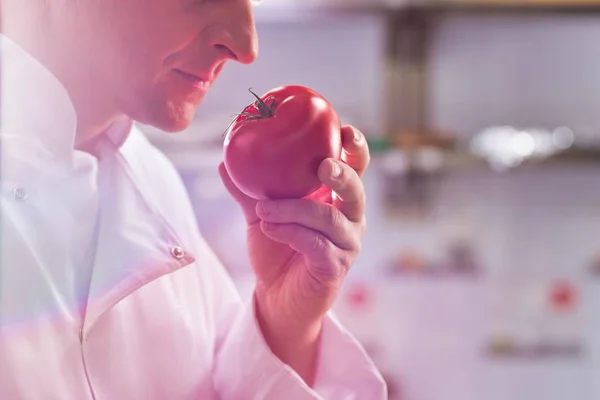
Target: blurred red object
563,296
358,295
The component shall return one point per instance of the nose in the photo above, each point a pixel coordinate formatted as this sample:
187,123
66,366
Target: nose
237,35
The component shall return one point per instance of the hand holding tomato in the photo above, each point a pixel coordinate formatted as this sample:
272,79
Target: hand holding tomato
301,249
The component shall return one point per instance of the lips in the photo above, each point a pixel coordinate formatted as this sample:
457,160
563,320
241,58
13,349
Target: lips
197,81
201,80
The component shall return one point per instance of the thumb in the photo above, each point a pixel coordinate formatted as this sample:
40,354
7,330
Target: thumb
248,204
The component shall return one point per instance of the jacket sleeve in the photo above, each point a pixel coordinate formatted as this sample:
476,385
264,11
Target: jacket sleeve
245,368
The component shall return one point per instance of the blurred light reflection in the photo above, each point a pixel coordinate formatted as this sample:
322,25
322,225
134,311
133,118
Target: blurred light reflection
506,147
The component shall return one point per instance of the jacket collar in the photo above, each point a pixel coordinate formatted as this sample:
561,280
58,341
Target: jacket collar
35,105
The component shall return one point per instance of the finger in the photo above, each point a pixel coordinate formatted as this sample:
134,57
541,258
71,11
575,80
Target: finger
321,217
247,203
349,192
326,258
356,150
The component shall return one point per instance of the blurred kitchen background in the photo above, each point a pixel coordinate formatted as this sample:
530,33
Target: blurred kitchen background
480,273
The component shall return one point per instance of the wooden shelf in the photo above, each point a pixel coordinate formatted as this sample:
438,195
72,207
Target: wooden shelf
322,9
558,4
456,157
517,7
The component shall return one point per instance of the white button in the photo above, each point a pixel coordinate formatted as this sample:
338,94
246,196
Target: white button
20,194
177,252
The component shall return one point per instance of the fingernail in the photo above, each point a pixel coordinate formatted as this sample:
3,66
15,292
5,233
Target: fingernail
337,170
267,207
358,137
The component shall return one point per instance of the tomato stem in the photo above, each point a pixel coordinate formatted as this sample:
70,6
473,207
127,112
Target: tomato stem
265,110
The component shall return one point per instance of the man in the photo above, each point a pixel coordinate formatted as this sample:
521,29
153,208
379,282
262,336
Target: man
107,290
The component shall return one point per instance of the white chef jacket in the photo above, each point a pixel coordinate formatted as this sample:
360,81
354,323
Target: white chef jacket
107,289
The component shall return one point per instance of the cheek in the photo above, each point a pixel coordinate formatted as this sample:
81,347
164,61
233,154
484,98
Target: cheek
134,57
143,44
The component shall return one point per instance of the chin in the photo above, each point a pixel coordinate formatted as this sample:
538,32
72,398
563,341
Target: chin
169,118
173,125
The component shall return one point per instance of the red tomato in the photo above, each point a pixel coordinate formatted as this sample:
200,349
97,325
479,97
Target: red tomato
358,295
275,146
563,296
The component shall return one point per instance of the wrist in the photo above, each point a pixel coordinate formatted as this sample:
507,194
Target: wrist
293,341
277,321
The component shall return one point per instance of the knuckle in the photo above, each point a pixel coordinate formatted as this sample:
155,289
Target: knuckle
319,243
357,244
331,216
362,195
344,261
363,226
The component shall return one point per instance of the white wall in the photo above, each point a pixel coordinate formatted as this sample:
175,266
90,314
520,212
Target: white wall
528,71
529,226
341,59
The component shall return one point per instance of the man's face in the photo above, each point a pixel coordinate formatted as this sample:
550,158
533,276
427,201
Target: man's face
155,59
